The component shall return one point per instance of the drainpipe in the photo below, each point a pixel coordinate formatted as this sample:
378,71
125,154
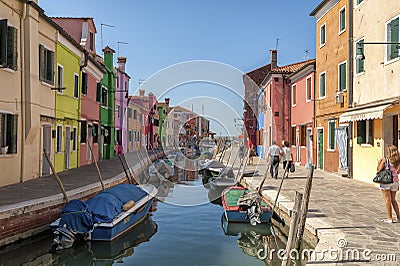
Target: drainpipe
283,107
350,90
22,44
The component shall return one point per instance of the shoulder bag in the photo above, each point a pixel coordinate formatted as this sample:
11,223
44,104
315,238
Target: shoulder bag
384,176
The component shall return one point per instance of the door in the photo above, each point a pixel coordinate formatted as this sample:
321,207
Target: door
46,142
67,146
298,147
320,145
309,145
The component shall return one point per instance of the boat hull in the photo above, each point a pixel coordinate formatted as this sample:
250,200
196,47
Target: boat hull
241,216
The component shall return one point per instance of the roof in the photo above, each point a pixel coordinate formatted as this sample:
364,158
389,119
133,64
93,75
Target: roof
318,7
79,18
259,74
288,69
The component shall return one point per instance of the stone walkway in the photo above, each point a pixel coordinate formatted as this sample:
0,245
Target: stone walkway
342,212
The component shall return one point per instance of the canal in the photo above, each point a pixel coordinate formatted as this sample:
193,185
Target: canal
184,228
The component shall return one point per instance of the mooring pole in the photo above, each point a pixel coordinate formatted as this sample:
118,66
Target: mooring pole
304,207
56,176
123,166
97,166
293,228
132,176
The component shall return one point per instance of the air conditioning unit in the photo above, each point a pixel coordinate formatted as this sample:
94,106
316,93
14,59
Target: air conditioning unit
339,98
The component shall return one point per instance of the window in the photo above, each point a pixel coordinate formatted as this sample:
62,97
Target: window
293,95
303,135
59,139
130,135
84,83
8,45
293,135
95,133
359,56
73,137
91,41
342,20
126,86
392,35
104,97
60,78
322,35
365,132
118,137
8,133
331,135
117,82
308,89
134,114
76,86
117,110
129,112
322,85
83,131
98,92
46,65
342,76
137,136
359,1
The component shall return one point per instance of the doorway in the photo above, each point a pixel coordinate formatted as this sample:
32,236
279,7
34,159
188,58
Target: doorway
309,145
67,146
320,148
46,143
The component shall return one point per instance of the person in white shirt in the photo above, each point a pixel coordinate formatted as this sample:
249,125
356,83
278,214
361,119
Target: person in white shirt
287,156
274,153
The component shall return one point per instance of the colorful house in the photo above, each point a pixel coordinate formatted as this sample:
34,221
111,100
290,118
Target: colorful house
163,109
332,56
83,31
375,108
107,109
134,125
302,113
121,105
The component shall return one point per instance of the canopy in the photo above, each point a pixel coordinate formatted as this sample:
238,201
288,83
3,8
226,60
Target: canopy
375,112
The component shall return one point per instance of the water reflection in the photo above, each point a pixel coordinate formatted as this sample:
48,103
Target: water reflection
107,253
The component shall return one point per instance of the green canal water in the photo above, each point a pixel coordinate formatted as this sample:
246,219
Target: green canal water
183,229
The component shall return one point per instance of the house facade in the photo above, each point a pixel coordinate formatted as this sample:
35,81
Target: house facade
332,85
163,109
302,113
375,102
121,107
134,126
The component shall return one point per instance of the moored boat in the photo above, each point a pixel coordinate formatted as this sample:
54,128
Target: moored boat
104,217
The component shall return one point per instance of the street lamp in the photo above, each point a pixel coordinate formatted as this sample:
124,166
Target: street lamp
360,48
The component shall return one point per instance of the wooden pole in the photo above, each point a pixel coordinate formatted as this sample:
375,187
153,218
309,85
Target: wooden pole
304,207
97,166
293,228
123,166
132,176
280,187
60,184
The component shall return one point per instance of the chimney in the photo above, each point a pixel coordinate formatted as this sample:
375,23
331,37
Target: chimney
167,102
121,63
274,58
141,92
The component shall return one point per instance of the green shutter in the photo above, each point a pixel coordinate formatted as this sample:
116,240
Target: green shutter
49,76
3,42
360,128
342,75
322,86
342,19
332,135
394,37
12,44
370,132
41,62
360,51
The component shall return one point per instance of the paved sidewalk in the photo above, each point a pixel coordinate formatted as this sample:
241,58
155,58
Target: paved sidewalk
339,208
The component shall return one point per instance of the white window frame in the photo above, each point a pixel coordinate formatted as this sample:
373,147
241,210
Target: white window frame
104,105
60,84
319,85
294,89
320,39
309,97
387,60
76,89
367,125
59,139
329,135
340,12
341,63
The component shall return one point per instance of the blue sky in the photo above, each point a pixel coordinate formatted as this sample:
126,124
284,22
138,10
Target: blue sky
162,33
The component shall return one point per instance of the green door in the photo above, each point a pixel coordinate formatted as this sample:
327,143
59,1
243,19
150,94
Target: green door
320,149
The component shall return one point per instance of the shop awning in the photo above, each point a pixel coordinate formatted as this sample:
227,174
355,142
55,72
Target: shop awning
375,112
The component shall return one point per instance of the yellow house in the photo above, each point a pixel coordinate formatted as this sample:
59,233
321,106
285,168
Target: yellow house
376,84
134,126
69,57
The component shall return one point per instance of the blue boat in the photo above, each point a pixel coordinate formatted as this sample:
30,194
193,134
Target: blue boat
105,217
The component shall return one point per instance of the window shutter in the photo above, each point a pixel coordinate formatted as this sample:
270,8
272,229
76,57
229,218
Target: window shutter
3,42
84,83
12,133
12,47
394,37
359,133
50,67
83,132
41,62
342,77
360,51
98,92
370,132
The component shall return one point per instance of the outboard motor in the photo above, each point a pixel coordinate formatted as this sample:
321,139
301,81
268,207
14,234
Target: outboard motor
63,238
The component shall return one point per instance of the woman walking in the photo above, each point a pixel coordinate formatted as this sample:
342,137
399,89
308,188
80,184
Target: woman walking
287,157
389,190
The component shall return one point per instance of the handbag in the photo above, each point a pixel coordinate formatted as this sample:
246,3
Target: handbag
292,168
384,176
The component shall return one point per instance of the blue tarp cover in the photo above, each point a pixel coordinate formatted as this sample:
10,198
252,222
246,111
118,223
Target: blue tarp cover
80,216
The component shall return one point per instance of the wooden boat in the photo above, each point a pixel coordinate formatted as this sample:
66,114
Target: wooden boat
238,213
234,229
105,217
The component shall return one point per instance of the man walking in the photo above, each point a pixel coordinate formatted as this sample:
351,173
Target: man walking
273,153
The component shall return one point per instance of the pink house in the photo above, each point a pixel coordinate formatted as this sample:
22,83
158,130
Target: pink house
302,113
277,101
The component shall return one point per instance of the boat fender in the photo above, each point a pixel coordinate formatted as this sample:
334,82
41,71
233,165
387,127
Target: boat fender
128,205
